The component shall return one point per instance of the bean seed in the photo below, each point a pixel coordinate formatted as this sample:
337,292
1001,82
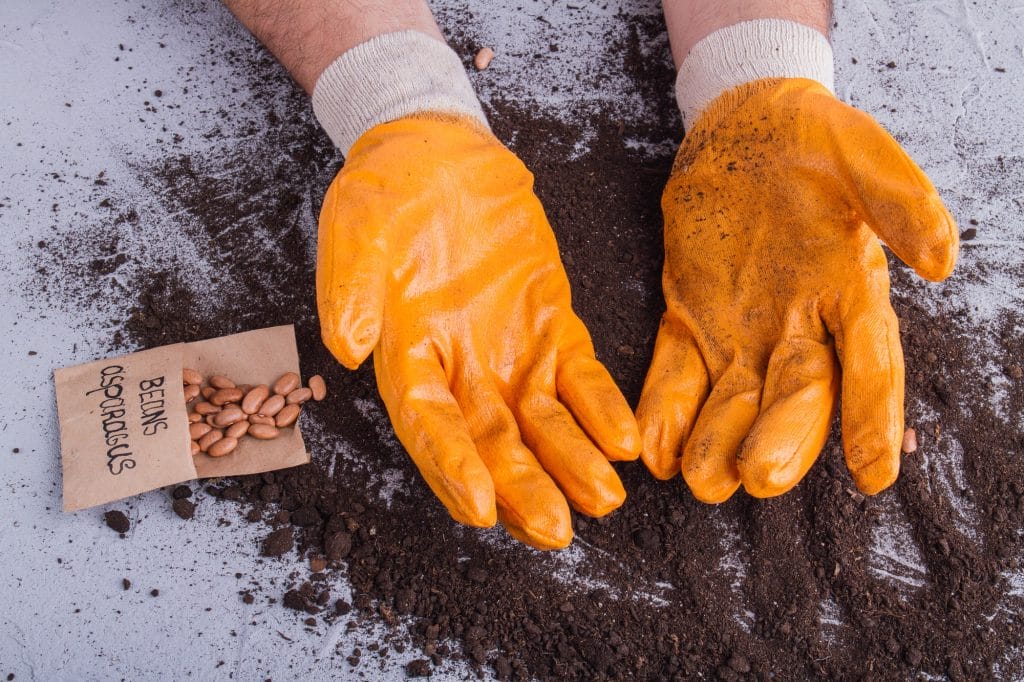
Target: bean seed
237,430
207,391
254,399
483,58
209,439
197,431
206,408
221,381
191,377
264,431
909,441
287,383
229,415
191,392
318,386
261,419
226,395
222,447
195,448
244,388
194,417
272,405
287,415
210,419
299,396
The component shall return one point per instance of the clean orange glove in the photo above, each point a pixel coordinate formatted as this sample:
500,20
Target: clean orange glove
435,254
773,271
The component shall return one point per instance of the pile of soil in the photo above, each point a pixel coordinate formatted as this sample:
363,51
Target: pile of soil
665,587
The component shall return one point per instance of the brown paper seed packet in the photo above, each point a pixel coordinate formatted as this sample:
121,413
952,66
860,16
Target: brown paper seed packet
124,425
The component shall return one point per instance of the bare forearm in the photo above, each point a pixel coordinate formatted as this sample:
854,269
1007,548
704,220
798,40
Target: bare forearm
307,35
689,21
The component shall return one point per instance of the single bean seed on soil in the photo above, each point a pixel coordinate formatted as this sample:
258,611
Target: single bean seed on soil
286,384
318,387
483,58
909,441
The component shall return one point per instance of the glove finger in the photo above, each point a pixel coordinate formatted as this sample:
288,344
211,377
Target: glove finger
797,404
897,199
709,457
429,423
568,456
675,387
350,276
530,505
868,345
588,390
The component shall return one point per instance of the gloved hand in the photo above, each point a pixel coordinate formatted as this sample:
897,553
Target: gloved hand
435,254
773,272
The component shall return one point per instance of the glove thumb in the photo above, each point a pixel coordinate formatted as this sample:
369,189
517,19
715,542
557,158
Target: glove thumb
350,275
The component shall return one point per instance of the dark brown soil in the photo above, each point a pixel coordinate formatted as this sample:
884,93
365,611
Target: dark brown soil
665,587
184,508
117,521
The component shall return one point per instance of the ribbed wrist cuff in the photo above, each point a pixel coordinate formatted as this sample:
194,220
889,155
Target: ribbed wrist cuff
749,51
388,77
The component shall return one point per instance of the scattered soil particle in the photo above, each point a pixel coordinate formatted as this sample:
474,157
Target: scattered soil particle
117,521
126,584
154,592
304,598
338,545
181,492
184,508
419,667
280,541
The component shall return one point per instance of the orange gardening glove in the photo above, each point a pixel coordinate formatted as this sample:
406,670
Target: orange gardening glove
435,254
775,279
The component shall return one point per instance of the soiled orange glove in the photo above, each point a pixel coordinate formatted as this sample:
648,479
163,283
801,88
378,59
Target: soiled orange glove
435,254
773,271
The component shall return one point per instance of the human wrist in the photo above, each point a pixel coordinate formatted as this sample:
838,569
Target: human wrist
388,77
747,52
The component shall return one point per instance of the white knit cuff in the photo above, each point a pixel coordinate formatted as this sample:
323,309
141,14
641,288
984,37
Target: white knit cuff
750,51
388,77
